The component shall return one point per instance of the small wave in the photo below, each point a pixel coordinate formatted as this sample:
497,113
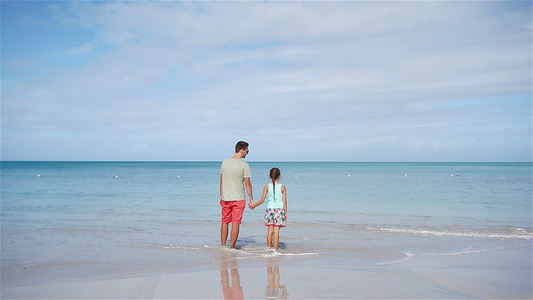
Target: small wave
258,252
518,233
407,256
465,251
298,254
170,246
273,253
468,250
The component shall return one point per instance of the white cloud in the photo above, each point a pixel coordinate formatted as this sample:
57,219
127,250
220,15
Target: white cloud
315,76
80,50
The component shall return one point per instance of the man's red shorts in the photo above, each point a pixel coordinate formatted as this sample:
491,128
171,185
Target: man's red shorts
232,211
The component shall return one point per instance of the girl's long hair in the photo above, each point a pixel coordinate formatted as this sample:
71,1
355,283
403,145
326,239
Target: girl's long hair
275,174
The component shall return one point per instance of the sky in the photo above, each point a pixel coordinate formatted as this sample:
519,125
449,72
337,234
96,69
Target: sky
387,81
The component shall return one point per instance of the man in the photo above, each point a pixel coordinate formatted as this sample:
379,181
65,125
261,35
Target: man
233,173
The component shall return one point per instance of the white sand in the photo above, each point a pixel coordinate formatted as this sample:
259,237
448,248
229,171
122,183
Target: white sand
502,274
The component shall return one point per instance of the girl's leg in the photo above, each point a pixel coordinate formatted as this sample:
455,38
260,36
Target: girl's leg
269,235
276,237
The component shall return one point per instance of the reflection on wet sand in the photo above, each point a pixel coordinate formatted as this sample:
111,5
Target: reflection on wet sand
231,280
274,290
231,285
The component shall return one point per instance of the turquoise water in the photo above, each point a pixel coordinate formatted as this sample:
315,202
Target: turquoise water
87,220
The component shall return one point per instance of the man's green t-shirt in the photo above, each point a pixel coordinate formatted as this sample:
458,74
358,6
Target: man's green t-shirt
233,173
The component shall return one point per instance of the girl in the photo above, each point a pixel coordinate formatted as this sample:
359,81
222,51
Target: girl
276,211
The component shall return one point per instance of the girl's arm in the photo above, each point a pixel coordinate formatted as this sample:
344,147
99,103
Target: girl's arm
284,191
265,191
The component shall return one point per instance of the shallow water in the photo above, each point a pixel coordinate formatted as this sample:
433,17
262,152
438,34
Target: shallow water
81,220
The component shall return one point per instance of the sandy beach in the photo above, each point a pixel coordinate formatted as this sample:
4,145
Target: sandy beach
497,274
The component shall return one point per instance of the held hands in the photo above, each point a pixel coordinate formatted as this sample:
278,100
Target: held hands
251,204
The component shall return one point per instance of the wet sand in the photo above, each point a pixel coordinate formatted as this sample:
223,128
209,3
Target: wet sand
497,274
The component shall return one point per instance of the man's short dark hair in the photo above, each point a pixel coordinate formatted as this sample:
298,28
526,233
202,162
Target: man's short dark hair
240,145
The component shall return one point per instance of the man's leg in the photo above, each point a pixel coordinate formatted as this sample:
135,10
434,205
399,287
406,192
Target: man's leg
237,213
224,234
234,233
226,219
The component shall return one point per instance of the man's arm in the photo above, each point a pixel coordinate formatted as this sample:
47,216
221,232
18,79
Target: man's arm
221,187
248,184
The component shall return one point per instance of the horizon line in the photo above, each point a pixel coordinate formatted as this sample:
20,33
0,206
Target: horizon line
258,161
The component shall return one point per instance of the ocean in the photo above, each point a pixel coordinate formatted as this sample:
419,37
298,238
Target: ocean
68,221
